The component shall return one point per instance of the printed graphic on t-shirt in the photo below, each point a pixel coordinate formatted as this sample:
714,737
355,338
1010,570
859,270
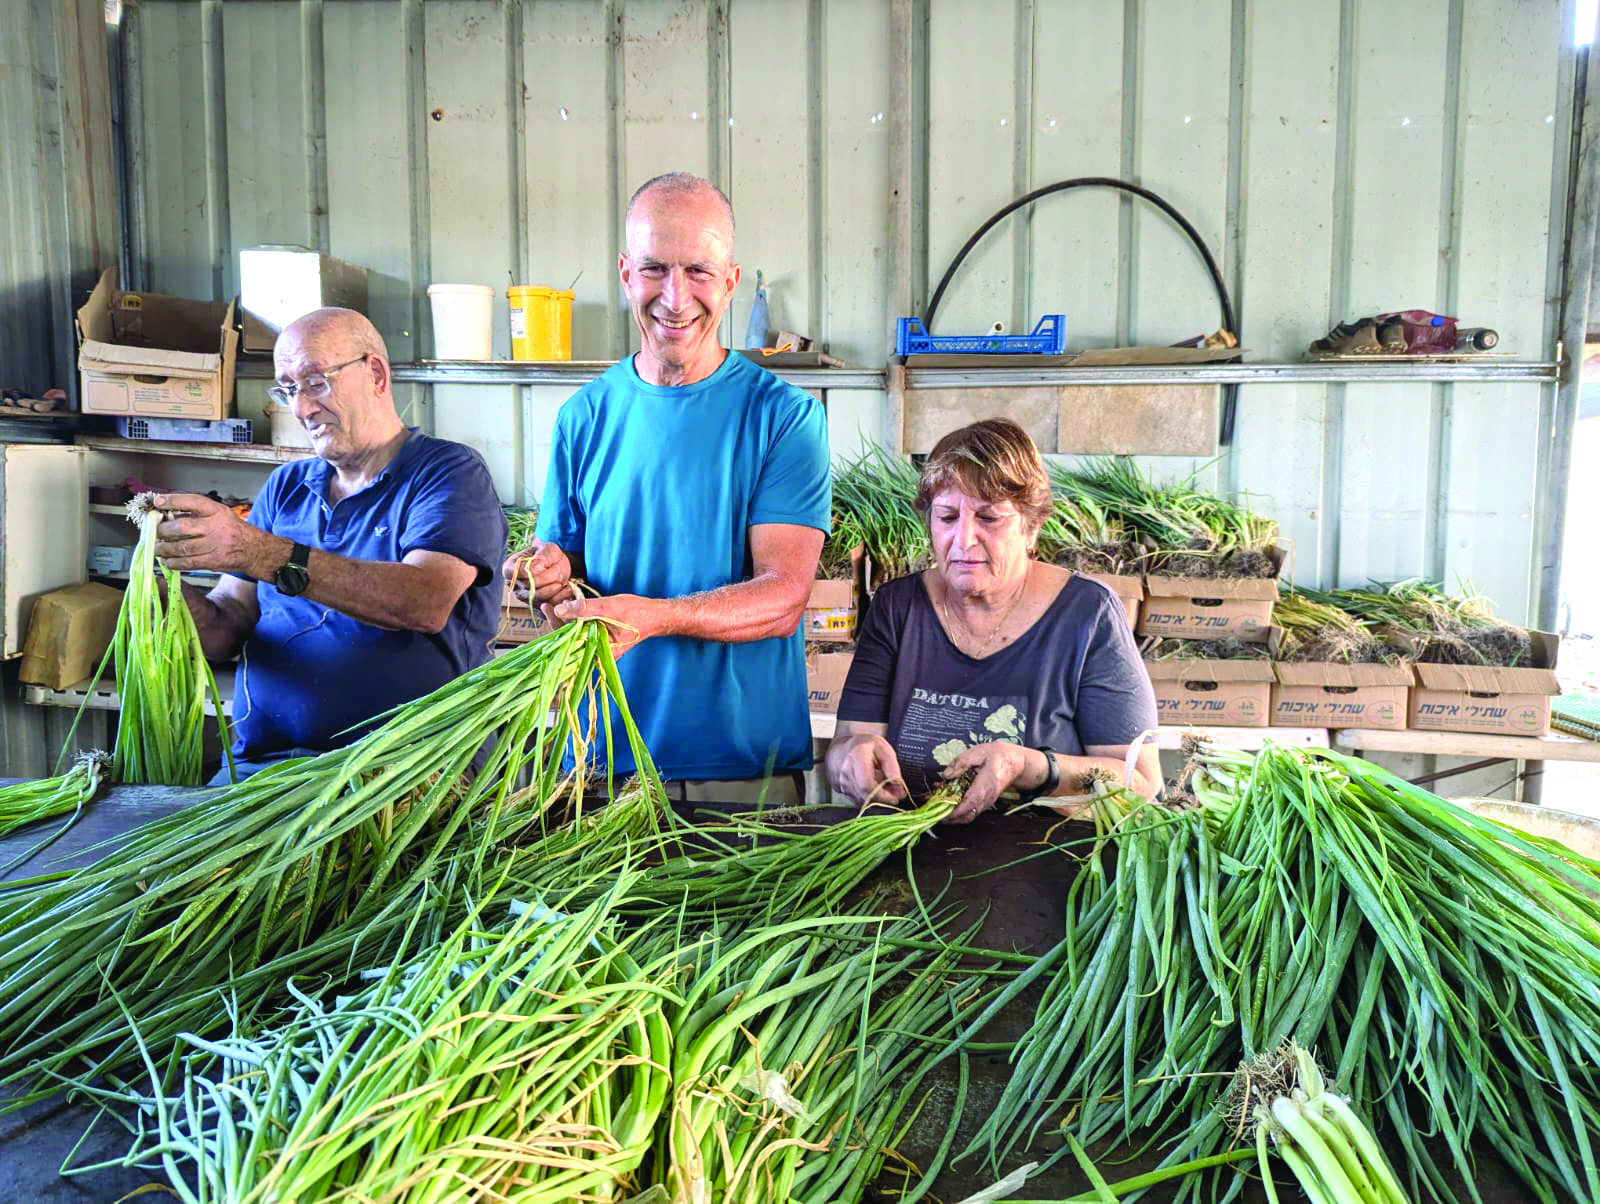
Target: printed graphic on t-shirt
937,728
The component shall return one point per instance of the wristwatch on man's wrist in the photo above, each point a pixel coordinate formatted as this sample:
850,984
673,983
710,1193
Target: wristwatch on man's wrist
293,578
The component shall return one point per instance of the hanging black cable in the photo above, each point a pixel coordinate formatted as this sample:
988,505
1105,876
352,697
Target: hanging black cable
1230,392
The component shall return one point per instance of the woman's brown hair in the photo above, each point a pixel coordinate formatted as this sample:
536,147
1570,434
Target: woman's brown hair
994,460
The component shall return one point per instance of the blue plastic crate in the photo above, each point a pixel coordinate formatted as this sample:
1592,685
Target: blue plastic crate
187,430
1049,337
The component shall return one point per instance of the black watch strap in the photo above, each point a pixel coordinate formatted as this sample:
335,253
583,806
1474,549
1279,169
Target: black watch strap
1052,775
293,578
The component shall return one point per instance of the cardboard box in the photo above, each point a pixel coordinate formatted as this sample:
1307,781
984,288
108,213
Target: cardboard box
1309,694
68,633
825,674
1485,698
830,625
147,353
1129,589
1207,608
1236,693
834,605
519,625
277,284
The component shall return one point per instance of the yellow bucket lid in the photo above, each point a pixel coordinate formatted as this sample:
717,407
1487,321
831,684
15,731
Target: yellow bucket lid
517,291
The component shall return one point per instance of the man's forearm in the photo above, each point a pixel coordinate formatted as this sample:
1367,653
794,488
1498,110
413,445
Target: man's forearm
386,594
762,608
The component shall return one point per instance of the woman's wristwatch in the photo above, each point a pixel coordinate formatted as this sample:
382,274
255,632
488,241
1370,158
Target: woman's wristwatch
1052,776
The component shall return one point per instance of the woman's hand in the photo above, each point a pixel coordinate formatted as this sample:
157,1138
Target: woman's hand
1000,766
864,767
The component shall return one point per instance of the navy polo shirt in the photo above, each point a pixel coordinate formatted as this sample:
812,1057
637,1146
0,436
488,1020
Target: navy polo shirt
312,678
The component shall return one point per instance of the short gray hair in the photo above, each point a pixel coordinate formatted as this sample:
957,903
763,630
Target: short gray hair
681,183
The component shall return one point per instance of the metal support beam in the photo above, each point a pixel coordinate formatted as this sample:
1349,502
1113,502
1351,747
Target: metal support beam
1584,209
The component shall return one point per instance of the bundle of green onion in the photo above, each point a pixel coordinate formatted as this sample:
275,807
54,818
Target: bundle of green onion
1313,630
163,679
1282,1096
1191,532
525,1060
765,872
1432,626
27,802
798,1048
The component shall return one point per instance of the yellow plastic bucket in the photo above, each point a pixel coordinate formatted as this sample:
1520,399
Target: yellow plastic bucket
541,322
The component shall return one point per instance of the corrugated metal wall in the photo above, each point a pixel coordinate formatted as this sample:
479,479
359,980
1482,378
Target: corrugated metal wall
1340,159
58,228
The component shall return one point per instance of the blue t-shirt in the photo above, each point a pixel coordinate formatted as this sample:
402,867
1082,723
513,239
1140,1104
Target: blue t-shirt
657,487
308,672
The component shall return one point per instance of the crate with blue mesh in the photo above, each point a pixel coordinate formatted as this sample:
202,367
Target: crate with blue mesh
187,430
1049,337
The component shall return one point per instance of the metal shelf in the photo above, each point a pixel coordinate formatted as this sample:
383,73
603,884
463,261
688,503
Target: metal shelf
1242,374
566,372
251,453
103,697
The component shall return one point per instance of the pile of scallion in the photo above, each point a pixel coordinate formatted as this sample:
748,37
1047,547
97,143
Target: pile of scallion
1186,531
1420,620
258,873
521,1059
1447,967
874,495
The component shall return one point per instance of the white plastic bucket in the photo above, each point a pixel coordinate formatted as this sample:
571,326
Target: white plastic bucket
286,428
463,321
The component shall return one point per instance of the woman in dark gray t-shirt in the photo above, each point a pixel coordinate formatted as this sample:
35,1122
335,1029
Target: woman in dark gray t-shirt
990,661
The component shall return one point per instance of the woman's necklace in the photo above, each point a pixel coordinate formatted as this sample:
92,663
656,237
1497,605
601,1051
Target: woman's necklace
1000,623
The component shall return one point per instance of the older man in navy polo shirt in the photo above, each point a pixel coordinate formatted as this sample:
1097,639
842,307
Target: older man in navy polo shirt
364,578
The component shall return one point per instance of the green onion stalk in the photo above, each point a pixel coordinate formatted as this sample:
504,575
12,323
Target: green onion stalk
46,798
163,678
1448,966
522,1060
1335,1159
259,871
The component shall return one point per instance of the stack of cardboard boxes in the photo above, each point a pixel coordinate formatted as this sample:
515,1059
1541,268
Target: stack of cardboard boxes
830,631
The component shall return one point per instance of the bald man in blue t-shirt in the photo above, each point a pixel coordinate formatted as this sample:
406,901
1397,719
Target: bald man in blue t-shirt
691,488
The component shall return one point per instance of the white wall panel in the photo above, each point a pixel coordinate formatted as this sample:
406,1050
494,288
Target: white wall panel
267,168
569,243
854,264
1182,154
369,201
770,173
1398,127
174,151
1077,131
469,178
971,108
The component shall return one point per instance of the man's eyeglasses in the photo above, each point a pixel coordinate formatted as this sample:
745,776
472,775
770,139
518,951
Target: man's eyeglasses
316,386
